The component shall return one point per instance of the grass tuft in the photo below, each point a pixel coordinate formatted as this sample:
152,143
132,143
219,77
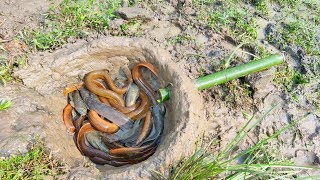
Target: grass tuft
7,68
238,23
290,3
71,18
36,164
299,32
256,163
287,78
181,39
260,5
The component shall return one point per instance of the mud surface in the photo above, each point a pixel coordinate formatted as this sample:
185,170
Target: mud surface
194,50
17,14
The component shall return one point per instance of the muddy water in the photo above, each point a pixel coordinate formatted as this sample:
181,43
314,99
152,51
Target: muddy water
48,74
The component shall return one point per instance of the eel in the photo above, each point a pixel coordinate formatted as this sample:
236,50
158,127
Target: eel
78,122
78,103
132,95
140,81
146,128
114,103
141,111
101,124
67,118
71,88
113,93
156,109
96,155
93,103
133,152
95,140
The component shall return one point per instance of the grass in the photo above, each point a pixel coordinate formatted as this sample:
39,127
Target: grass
229,16
36,164
71,18
290,3
181,39
12,56
260,5
132,28
7,68
299,32
238,23
290,81
298,27
255,162
5,104
287,78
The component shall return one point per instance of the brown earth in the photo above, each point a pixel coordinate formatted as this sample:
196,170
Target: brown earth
38,101
17,14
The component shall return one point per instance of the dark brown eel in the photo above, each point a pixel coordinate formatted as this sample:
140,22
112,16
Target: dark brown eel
78,123
98,156
156,109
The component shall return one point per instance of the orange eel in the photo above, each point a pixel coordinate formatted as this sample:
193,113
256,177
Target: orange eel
67,118
111,94
101,124
114,103
71,88
146,128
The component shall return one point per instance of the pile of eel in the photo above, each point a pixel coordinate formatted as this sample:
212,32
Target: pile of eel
115,125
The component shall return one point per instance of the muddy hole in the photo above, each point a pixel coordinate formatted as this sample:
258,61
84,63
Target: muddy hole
183,122
115,117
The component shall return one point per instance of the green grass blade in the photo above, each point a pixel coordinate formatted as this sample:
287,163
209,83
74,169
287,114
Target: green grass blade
236,139
266,140
265,170
242,133
5,104
203,165
227,63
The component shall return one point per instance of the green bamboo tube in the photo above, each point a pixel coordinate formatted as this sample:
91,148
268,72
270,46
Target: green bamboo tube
164,94
238,71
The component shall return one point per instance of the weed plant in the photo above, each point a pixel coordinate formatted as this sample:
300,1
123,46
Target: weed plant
255,162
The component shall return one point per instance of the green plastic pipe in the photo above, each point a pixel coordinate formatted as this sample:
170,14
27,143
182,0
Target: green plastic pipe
238,71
